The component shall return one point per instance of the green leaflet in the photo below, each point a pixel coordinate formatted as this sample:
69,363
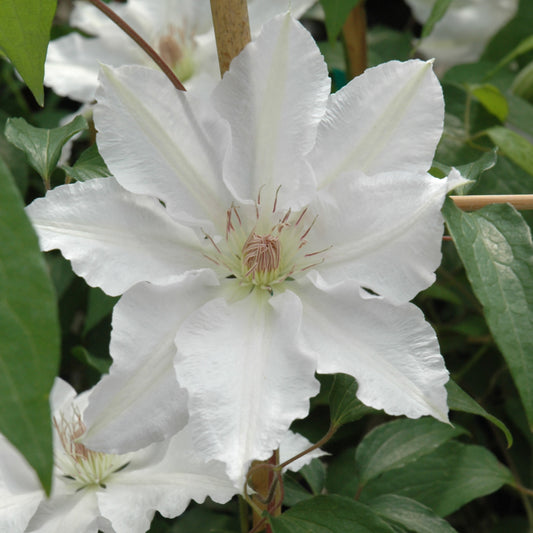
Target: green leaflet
336,13
399,443
42,146
443,480
496,249
437,12
29,335
329,514
24,35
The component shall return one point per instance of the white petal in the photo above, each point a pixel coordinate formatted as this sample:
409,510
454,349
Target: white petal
72,63
273,97
167,486
291,445
20,490
388,119
385,232
391,351
140,402
156,141
260,11
462,34
246,377
114,238
70,513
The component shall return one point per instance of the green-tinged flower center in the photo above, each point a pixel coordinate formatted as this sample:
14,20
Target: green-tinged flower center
176,50
265,249
80,466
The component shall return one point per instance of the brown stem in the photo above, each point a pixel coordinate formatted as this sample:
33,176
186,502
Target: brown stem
354,34
124,26
268,487
471,203
331,431
232,29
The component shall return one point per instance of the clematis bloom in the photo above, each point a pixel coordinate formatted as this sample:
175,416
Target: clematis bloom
465,29
93,491
181,31
261,234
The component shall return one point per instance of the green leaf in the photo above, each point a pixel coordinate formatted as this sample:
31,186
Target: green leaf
336,13
506,178
496,249
514,146
525,46
343,403
395,444
98,363
24,35
523,83
29,335
329,514
459,400
386,44
293,491
98,307
471,171
42,146
437,12
520,114
409,513
90,165
492,99
315,475
341,477
444,480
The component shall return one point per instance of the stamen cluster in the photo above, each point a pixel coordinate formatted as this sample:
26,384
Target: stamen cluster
264,250
79,465
176,49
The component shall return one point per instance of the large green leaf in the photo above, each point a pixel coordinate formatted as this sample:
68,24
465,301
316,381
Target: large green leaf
343,403
29,335
410,514
496,249
42,146
459,400
514,146
336,13
24,35
445,479
329,514
398,443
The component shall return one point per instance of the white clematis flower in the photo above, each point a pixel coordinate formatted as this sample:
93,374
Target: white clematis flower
261,235
94,491
181,31
464,31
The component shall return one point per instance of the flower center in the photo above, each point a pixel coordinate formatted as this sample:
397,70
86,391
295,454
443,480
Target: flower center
175,48
261,254
263,248
80,466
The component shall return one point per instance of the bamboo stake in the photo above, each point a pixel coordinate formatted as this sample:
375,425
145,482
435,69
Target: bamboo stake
354,33
232,29
472,203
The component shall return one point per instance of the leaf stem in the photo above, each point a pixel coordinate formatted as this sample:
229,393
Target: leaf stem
331,431
124,26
